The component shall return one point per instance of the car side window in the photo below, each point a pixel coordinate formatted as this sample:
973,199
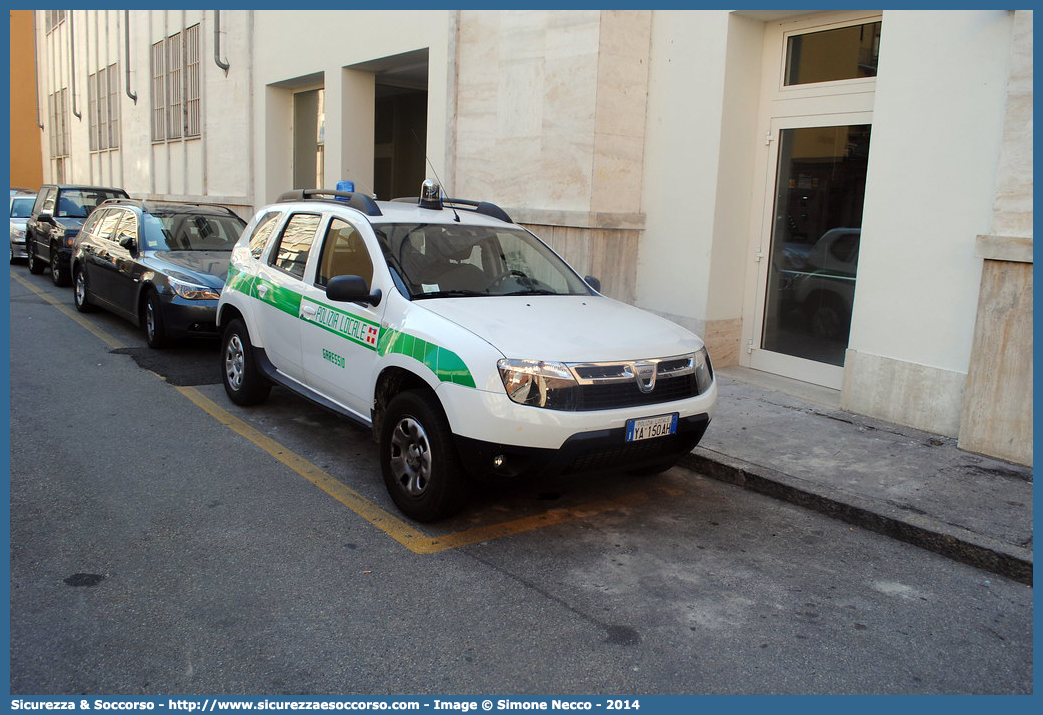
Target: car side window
107,225
128,227
90,226
295,243
47,201
262,233
344,253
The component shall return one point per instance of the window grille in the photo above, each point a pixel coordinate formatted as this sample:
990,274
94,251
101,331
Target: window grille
176,86
159,101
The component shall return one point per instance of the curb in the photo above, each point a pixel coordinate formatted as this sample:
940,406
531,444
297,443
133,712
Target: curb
884,518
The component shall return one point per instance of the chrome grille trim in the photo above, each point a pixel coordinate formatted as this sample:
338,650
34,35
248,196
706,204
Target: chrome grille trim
602,373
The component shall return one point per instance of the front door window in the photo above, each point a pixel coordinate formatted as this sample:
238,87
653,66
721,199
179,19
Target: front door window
819,193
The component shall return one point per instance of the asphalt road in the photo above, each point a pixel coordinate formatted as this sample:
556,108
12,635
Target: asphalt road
164,541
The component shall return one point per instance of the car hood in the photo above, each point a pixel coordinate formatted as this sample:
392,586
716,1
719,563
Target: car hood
206,267
566,328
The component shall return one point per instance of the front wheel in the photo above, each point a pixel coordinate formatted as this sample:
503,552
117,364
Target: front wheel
421,469
243,381
155,327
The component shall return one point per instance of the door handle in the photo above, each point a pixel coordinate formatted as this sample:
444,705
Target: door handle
309,310
262,290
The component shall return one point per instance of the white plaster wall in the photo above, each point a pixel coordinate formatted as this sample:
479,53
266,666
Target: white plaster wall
682,152
324,43
937,125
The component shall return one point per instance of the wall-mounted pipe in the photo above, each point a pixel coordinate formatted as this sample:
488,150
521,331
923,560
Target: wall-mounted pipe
36,71
72,65
217,43
126,62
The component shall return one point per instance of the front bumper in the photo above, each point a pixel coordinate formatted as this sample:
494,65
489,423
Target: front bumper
590,452
534,440
18,248
189,318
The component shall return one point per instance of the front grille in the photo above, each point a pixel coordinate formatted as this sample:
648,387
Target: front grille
612,395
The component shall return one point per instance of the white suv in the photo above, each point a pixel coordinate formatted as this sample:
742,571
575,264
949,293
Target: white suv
468,346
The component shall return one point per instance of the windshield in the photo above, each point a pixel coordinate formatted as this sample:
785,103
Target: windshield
77,203
191,232
440,261
21,207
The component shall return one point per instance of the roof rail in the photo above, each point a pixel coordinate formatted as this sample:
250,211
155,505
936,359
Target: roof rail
141,203
355,199
482,207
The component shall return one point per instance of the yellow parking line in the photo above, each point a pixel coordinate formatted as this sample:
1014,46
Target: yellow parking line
402,532
71,312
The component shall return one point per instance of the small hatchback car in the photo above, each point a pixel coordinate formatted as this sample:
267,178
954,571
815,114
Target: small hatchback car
466,344
56,218
159,265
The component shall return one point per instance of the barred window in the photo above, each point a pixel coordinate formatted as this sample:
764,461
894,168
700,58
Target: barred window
159,95
176,92
59,127
103,109
53,18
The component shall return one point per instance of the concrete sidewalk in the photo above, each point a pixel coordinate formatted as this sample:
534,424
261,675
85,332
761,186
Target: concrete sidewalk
792,441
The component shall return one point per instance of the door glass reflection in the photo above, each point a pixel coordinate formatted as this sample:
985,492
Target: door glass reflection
820,190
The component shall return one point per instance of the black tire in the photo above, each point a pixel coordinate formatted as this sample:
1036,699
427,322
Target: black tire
152,321
79,291
421,469
59,268
243,381
36,266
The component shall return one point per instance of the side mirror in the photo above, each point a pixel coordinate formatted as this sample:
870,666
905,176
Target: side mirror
128,242
45,218
593,283
351,289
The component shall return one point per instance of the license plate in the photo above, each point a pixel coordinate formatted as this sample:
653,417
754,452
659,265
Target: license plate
651,427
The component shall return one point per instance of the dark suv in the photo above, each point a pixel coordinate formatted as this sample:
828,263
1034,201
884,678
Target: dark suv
160,265
57,216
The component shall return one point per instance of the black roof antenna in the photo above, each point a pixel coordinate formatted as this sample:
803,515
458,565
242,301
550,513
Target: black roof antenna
424,198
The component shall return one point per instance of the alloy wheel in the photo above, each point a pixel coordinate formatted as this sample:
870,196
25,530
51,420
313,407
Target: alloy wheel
411,456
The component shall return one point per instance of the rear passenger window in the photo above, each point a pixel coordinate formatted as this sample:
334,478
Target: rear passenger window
295,244
260,236
344,254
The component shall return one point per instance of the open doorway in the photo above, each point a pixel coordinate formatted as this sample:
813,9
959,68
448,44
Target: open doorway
400,140
400,123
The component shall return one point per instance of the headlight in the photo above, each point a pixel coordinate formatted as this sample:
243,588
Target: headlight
17,234
193,291
538,383
703,371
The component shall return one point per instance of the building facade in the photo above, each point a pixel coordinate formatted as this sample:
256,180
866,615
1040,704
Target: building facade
842,198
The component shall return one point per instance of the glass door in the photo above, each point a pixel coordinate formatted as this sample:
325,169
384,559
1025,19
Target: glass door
809,272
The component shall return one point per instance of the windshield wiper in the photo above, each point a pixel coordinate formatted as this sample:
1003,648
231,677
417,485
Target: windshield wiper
533,291
449,294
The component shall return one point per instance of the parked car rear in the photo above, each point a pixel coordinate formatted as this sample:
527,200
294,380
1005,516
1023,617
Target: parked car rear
56,218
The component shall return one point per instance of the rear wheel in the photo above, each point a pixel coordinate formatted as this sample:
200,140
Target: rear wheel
244,382
79,291
59,268
36,266
421,469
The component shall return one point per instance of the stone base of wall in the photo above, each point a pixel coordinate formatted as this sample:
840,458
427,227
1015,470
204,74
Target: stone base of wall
905,393
997,408
610,255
